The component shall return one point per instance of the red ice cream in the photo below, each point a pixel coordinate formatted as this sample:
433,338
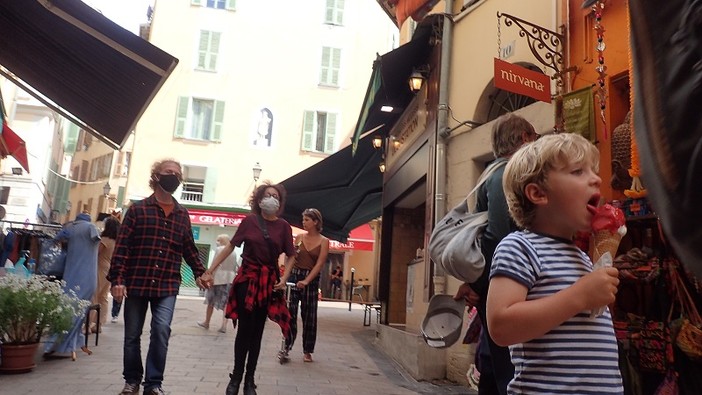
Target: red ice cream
608,217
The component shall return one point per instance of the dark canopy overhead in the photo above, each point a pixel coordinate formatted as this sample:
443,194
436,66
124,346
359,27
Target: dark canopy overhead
389,82
97,74
346,189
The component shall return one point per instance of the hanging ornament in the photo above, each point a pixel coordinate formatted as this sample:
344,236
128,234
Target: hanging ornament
601,68
637,190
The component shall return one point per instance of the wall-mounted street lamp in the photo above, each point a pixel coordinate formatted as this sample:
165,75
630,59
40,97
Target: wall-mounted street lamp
257,171
377,142
106,189
417,78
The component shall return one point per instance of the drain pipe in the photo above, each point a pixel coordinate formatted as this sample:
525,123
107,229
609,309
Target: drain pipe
441,136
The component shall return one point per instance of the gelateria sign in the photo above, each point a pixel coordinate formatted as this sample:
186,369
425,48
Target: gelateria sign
517,79
215,218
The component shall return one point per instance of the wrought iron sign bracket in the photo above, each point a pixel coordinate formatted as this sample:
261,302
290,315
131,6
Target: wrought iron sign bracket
545,45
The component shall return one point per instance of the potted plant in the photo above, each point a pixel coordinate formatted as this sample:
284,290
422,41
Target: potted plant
31,307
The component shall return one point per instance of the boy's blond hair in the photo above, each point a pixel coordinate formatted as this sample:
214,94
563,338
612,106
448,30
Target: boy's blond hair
534,161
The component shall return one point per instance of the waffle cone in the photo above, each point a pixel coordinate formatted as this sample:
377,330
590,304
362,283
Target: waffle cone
605,241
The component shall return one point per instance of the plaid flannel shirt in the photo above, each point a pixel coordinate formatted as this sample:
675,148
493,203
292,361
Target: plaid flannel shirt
150,248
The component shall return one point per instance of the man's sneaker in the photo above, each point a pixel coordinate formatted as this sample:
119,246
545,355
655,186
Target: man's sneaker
130,389
114,320
155,391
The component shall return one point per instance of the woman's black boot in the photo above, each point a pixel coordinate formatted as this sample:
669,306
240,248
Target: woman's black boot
249,387
234,382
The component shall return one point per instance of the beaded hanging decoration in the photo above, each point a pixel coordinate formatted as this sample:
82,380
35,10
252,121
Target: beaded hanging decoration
637,190
601,68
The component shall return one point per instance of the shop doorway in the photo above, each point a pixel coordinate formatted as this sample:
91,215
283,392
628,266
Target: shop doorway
333,259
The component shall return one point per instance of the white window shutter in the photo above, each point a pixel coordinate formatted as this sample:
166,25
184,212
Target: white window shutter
218,120
339,12
202,49
181,116
330,132
308,131
210,188
329,14
336,66
214,50
324,76
231,5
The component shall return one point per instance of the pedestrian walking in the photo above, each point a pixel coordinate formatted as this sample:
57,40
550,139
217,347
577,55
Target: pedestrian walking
265,237
154,238
216,297
311,250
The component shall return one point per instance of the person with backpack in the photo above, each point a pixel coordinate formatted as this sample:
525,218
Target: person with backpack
509,133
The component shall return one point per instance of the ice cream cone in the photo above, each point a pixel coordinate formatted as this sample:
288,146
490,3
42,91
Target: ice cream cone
605,241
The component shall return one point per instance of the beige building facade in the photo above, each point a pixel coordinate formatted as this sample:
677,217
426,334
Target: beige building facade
273,86
436,151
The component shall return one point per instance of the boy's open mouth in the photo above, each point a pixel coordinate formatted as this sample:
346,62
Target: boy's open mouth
593,203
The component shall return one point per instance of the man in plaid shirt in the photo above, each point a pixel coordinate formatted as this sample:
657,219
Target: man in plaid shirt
153,240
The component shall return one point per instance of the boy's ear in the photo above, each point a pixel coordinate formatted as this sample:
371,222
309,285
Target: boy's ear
535,194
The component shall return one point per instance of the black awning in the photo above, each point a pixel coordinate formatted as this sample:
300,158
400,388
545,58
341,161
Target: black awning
388,84
90,69
346,189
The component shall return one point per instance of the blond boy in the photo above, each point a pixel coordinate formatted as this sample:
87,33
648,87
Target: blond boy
542,287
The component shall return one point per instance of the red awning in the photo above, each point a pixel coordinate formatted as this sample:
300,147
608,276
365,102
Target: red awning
360,238
12,144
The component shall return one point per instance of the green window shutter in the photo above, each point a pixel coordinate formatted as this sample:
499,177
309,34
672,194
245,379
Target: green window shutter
324,76
330,132
339,12
218,120
214,50
120,197
196,2
308,131
329,15
231,5
336,66
181,116
202,49
210,188
71,139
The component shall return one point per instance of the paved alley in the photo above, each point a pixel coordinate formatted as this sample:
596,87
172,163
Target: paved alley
346,361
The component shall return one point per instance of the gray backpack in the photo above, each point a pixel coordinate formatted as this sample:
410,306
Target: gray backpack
455,241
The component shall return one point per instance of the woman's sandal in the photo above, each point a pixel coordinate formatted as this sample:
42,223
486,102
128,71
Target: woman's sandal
308,357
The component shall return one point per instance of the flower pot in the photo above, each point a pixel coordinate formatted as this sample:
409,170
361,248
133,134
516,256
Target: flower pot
17,358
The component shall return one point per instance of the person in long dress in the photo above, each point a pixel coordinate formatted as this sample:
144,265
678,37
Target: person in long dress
80,276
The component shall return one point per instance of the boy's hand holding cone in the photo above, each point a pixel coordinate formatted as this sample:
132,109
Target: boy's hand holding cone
608,228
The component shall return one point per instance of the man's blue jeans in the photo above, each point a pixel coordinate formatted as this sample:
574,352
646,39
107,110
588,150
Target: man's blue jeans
134,317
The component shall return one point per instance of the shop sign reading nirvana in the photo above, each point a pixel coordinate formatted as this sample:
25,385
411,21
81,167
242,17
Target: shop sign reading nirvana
517,79
215,218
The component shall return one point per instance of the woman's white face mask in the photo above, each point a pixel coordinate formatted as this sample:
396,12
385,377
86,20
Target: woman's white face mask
269,205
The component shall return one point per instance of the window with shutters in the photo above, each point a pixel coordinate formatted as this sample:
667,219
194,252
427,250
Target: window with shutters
331,65
194,179
199,119
334,14
4,195
122,166
216,4
208,50
84,167
318,131
75,175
